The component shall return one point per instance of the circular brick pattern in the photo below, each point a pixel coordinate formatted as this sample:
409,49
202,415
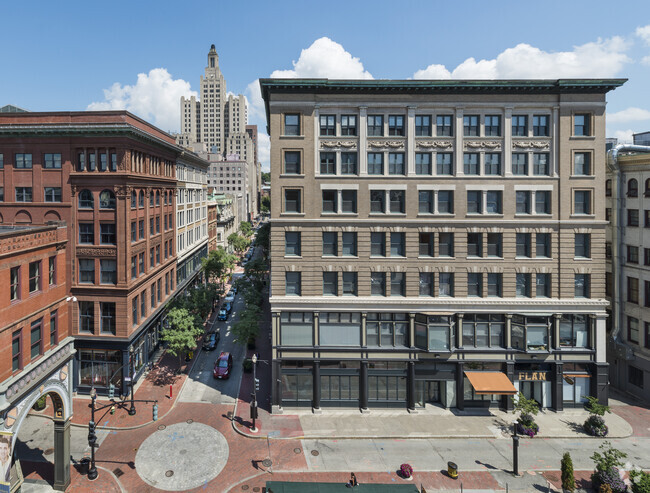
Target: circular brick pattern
196,453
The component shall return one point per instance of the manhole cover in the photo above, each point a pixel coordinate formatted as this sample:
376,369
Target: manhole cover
245,487
267,462
162,427
296,451
182,452
315,453
169,474
118,472
48,451
190,421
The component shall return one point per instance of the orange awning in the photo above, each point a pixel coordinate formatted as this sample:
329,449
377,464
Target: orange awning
490,382
575,375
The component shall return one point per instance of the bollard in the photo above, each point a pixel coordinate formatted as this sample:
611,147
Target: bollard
452,470
515,455
170,391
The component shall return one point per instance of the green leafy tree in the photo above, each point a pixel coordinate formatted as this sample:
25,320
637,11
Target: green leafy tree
202,300
265,206
609,458
262,239
238,243
255,272
568,479
247,327
640,481
594,407
218,264
524,405
182,332
266,177
246,228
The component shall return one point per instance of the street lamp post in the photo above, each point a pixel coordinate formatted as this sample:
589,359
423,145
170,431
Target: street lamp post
132,375
254,394
92,437
515,451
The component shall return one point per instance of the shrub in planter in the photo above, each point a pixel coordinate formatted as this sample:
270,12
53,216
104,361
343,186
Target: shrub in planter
528,408
247,365
607,463
406,470
526,425
610,478
640,481
595,426
605,488
568,479
39,405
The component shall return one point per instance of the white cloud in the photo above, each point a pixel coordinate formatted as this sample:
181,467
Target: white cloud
644,33
628,115
602,58
155,97
255,101
624,136
645,60
264,150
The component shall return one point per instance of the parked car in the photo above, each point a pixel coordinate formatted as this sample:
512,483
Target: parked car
228,307
230,297
223,314
223,365
211,341
233,290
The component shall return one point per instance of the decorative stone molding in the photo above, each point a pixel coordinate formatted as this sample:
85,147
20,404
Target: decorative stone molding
494,269
474,269
528,144
96,252
483,144
138,248
338,144
582,270
121,191
428,144
73,190
392,144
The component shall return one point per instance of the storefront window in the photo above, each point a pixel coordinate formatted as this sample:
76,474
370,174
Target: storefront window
440,332
296,329
386,388
339,388
573,331
469,395
98,368
532,329
575,390
386,329
339,329
420,334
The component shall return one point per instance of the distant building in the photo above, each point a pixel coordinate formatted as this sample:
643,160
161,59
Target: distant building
226,218
229,175
642,139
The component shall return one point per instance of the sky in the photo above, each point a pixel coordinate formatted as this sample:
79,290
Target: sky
143,56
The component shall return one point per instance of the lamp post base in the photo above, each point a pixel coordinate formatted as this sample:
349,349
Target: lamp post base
92,474
254,430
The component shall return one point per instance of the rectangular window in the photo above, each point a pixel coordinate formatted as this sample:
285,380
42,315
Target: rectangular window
375,163
292,201
292,283
445,244
329,203
573,331
540,126
635,376
474,202
330,284
86,316
349,241
474,244
397,244
87,270
542,202
633,329
54,333
2,194
377,244
523,245
23,194
375,125
633,290
157,224
151,228
523,201
492,163
471,126
471,163
543,245
396,163
327,163
108,235
107,322
327,125
475,284
493,202
445,202
349,201
291,124
582,247
582,124
541,164
103,161
151,258
495,245
134,311
292,244
444,126
16,351
91,161
159,290
543,286
396,125
445,284
348,125
519,163
141,228
582,202
134,267
134,231
397,284
34,276
113,161
523,285
348,163
377,201
582,163
422,126
492,125
51,271
23,161
425,201
426,284
141,262
36,338
397,204
349,283
444,164
108,271
582,284
378,283
495,284
519,126
52,194
425,244
330,244
86,233
422,163
14,283
52,161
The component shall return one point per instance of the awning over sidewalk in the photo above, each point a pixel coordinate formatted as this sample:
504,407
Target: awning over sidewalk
490,382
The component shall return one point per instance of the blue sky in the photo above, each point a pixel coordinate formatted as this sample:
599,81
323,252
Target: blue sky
73,55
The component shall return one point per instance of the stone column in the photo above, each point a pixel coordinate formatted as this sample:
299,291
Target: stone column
364,339
412,330
316,324
410,141
316,139
61,454
410,381
460,387
507,142
316,388
458,151
556,330
600,382
508,331
555,138
363,386
558,383
459,331
363,140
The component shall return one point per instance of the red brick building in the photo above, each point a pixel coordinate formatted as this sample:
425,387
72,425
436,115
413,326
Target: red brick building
110,176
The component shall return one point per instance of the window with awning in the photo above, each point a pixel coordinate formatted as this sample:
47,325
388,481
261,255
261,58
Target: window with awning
490,382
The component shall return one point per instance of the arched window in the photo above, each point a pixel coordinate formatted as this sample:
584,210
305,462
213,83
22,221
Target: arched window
608,188
141,200
151,199
632,188
85,199
157,198
134,199
647,188
106,200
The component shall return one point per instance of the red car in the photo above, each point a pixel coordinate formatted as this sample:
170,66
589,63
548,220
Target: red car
223,365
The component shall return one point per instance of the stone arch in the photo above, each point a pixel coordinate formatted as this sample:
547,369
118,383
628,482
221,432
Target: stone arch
23,217
52,216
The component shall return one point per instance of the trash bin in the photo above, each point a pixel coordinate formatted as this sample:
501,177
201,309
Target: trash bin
452,470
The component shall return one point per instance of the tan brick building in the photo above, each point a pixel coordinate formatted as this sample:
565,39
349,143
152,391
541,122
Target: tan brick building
423,231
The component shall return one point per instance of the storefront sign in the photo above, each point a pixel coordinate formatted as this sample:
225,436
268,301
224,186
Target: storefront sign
534,376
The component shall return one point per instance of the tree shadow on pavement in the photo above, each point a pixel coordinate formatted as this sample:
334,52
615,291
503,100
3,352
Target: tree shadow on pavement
574,427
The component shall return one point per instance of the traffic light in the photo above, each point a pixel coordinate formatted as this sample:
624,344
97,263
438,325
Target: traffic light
111,391
92,437
155,412
257,384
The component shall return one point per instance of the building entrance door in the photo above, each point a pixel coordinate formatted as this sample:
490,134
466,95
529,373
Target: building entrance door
428,392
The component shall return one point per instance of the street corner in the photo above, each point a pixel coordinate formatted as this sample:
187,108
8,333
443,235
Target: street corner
107,480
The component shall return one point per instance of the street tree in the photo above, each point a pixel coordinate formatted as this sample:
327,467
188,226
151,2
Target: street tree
218,265
182,332
262,239
255,271
238,243
246,229
247,327
265,206
202,299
